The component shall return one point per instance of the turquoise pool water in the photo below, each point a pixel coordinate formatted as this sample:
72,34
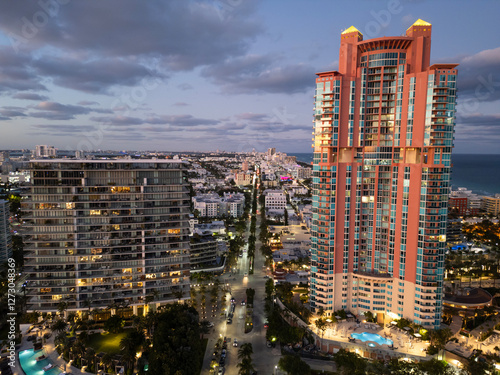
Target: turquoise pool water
30,366
365,336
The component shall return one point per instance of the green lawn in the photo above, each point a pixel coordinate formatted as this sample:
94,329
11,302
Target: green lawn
106,342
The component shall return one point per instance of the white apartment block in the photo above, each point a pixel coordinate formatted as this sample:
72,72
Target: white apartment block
211,205
44,151
275,201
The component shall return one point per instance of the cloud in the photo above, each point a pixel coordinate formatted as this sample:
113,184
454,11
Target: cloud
251,116
29,96
180,104
64,128
58,111
16,73
87,102
183,34
9,112
96,76
255,74
478,76
118,120
179,120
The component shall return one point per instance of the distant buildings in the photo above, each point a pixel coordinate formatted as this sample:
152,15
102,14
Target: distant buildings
44,151
243,178
383,126
5,234
212,205
106,233
463,202
491,205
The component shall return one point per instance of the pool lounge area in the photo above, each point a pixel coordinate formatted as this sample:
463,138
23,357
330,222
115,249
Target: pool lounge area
30,365
372,338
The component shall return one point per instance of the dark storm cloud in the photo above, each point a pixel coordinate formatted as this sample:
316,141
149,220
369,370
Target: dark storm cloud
58,111
479,77
185,34
96,76
257,74
30,96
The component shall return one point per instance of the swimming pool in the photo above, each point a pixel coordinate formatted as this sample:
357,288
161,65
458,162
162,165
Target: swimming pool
365,336
30,366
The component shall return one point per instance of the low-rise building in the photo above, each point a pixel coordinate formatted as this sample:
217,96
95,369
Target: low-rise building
212,205
275,201
491,205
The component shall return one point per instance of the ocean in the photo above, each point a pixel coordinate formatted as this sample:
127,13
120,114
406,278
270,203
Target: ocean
477,172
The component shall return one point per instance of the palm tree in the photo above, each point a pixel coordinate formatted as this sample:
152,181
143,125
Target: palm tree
59,325
106,360
204,327
245,351
61,307
245,366
87,303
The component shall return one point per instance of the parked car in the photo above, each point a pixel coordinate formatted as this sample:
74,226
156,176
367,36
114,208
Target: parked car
235,342
268,344
221,371
243,303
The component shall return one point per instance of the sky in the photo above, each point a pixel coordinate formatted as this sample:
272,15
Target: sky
233,75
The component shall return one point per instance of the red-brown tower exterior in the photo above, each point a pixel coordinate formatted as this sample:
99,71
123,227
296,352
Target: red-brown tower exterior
383,127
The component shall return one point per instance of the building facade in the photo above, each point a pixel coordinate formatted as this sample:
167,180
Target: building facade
491,205
275,201
106,233
383,128
5,234
212,205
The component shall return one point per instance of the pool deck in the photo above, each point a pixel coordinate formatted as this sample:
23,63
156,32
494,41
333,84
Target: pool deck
339,336
48,349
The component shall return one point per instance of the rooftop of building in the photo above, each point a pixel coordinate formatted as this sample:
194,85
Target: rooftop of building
476,296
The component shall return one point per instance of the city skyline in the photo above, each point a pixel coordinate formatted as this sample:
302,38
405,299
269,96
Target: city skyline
230,75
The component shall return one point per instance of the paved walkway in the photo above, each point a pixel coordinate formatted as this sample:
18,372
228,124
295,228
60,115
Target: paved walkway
456,324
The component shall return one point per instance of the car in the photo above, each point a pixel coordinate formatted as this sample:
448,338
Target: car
268,344
243,303
210,324
225,339
223,354
266,325
246,274
221,371
235,342
232,299
266,277
229,321
222,362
